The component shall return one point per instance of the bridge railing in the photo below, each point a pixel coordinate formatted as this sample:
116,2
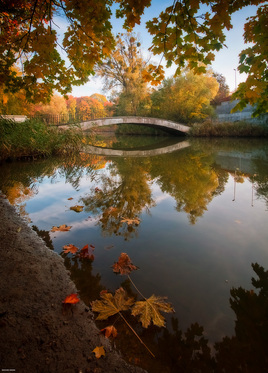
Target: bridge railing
59,119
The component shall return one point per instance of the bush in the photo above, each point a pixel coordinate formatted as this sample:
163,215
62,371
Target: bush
33,138
228,129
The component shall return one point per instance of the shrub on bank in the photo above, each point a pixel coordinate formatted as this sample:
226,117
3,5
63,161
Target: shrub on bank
228,129
33,138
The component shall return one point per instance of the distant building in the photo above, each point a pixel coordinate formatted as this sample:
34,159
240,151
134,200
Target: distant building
223,111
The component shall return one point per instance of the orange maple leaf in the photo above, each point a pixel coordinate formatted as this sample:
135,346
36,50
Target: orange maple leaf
87,252
109,331
124,265
70,249
71,299
99,351
61,228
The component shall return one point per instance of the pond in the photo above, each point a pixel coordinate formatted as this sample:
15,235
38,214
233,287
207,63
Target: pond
192,215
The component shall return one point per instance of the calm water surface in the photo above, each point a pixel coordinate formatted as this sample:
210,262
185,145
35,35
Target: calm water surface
193,216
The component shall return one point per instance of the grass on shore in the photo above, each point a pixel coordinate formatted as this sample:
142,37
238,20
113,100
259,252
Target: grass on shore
33,138
228,129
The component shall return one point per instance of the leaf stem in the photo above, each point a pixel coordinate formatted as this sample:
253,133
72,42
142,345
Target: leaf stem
136,334
136,287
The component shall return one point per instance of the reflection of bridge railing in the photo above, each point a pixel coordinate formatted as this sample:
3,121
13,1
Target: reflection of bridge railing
135,153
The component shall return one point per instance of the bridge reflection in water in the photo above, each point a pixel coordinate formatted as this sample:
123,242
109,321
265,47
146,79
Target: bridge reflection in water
135,153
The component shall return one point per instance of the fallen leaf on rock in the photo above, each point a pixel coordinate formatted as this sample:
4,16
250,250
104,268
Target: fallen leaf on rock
109,331
124,265
71,299
99,351
70,249
61,228
77,208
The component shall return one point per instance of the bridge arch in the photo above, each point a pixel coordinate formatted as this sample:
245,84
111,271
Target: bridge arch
157,122
135,153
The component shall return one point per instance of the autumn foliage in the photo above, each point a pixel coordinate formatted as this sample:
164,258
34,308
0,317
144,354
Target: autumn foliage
147,310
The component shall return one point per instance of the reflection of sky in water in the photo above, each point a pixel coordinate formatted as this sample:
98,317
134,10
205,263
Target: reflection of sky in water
193,265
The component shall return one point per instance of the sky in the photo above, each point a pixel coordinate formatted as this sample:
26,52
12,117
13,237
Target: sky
226,60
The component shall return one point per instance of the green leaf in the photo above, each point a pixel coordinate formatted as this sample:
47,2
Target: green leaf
149,311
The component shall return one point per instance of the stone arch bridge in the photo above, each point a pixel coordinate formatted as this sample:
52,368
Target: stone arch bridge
153,122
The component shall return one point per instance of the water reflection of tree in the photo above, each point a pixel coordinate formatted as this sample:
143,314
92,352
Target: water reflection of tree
122,194
89,285
247,350
189,351
189,179
260,180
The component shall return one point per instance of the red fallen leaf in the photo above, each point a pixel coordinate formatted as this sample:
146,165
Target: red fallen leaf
70,249
109,331
61,228
124,265
71,299
86,252
69,199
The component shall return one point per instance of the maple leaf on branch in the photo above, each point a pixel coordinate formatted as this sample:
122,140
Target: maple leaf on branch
109,331
124,265
149,310
111,304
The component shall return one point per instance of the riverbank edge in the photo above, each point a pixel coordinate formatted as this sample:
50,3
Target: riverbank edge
36,334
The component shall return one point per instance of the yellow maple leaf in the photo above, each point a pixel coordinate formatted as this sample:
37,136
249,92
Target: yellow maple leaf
99,351
77,208
111,304
149,310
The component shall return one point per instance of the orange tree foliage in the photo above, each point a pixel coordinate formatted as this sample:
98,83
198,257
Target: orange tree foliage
89,107
188,32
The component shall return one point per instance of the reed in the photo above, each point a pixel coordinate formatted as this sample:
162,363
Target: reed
33,138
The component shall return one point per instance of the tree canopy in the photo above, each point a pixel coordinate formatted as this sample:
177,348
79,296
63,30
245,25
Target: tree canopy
187,33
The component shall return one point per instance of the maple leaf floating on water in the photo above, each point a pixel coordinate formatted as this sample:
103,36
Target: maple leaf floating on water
99,351
109,331
124,265
149,310
70,249
87,252
77,208
61,228
111,304
130,221
71,299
